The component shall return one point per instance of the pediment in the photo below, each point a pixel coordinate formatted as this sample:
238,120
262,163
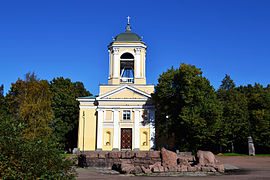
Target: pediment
125,92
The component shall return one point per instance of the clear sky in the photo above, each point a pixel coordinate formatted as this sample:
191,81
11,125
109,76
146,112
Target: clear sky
69,38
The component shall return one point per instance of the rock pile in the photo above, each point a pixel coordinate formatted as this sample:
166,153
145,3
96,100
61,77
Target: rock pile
170,162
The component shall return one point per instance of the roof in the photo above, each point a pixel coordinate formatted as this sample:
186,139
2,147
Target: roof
128,37
88,97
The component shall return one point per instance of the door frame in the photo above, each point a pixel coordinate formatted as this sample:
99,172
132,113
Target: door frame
132,134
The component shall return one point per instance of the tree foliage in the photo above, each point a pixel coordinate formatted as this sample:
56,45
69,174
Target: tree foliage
34,158
235,120
190,103
28,149
66,110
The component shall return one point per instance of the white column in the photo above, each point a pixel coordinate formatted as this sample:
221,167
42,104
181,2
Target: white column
116,130
138,62
110,65
116,61
100,129
152,129
137,129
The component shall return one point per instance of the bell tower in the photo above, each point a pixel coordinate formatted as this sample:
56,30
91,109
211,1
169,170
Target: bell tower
127,59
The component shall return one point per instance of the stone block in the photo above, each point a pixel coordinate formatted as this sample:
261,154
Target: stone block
92,155
141,154
205,157
154,154
145,170
220,168
137,170
114,155
126,168
207,169
101,155
168,158
182,168
191,169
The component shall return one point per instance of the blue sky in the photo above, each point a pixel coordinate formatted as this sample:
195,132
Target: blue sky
69,38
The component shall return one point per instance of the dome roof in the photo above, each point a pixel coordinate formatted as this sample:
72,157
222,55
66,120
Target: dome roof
127,37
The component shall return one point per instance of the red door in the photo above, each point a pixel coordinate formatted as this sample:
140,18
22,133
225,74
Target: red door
126,138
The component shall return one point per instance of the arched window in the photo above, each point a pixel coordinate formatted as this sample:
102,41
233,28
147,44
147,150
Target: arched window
144,138
127,68
108,138
127,56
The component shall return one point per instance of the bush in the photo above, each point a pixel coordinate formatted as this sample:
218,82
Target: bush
30,158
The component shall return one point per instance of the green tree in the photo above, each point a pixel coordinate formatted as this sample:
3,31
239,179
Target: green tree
29,102
34,158
66,110
235,120
190,103
259,115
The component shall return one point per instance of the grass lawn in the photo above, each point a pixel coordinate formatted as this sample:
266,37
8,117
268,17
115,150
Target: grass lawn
64,155
235,154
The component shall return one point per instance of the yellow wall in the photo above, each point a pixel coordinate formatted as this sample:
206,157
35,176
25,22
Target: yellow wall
105,146
89,133
105,89
126,94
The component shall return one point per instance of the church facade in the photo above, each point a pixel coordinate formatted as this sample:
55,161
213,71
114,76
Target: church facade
122,116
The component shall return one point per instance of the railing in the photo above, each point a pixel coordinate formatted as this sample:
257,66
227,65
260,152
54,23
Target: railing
126,80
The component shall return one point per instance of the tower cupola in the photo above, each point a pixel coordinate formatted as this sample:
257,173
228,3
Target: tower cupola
127,58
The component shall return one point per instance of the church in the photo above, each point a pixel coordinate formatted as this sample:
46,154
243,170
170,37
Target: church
122,116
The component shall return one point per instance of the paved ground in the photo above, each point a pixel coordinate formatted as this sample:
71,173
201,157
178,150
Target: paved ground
250,168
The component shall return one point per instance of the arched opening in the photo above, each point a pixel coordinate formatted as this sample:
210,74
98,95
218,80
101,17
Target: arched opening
127,68
144,138
108,138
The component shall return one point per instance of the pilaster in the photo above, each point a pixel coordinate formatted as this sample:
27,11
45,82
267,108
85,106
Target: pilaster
137,129
138,62
100,129
116,138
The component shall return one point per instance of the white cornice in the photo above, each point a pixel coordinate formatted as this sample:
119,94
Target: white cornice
122,88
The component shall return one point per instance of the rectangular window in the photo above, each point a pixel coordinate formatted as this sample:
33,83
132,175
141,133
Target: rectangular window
126,114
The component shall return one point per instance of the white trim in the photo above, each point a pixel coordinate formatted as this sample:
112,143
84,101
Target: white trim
107,122
86,100
126,123
128,45
137,129
100,129
127,100
116,128
87,107
125,106
113,85
121,88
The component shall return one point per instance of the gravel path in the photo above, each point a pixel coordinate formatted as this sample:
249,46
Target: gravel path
250,168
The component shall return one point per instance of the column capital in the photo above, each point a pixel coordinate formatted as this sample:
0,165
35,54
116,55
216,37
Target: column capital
115,110
137,51
115,50
138,110
100,110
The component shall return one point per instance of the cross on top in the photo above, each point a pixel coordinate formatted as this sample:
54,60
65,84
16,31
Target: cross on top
128,18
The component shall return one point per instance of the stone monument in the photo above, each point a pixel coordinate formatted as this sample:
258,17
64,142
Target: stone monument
251,148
